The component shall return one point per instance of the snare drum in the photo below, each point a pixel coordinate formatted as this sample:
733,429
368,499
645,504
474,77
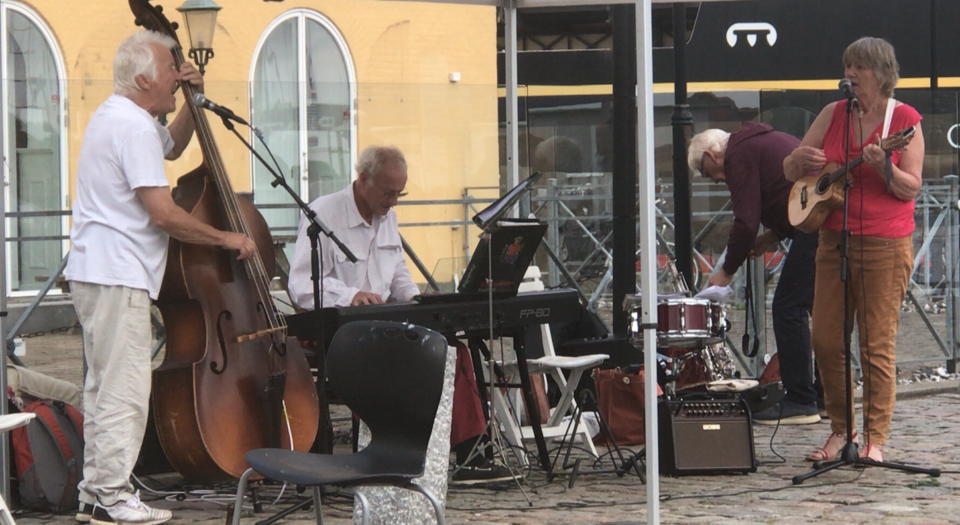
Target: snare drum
684,319
681,321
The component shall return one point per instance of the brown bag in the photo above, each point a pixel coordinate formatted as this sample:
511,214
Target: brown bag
620,399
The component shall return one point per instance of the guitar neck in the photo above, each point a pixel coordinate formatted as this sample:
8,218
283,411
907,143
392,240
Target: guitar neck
844,170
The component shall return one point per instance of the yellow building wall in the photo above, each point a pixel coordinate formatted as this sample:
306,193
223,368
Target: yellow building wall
403,54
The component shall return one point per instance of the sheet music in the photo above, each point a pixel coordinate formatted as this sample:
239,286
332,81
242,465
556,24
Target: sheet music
721,294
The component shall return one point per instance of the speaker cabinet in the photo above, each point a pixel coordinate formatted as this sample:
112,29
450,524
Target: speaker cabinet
705,437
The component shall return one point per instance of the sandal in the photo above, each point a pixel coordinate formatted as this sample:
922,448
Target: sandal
831,449
872,452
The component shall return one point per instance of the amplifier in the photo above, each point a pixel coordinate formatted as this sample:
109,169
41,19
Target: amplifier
705,437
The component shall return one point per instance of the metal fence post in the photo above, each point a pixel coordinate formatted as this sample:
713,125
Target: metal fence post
553,238
950,276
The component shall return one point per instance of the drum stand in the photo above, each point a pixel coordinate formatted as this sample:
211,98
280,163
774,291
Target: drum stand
849,454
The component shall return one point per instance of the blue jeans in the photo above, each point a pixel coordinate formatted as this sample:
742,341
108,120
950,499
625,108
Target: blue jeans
792,305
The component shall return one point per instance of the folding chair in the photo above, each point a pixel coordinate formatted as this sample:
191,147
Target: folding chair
9,422
554,365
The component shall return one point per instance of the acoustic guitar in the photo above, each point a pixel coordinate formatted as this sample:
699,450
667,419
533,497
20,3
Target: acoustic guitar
812,198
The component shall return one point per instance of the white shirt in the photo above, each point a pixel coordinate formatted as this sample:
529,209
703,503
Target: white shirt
113,241
381,267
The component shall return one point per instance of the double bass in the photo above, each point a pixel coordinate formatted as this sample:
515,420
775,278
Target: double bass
228,384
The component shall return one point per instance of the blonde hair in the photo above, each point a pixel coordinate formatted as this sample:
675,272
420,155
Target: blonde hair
876,54
710,140
135,57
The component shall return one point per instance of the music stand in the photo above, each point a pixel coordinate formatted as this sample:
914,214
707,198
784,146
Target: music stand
849,454
487,219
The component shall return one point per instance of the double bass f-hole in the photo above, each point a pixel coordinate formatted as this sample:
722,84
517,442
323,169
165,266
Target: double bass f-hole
223,344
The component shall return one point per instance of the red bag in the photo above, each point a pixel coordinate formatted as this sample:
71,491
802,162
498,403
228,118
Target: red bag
620,399
48,454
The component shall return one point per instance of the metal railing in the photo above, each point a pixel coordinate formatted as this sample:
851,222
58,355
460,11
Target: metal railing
933,284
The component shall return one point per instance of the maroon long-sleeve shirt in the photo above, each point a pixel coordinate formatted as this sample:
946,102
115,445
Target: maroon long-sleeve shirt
753,167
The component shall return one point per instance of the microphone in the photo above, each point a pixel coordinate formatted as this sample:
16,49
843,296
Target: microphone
847,89
202,101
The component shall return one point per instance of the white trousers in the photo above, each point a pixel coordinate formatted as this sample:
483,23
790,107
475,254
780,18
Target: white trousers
116,390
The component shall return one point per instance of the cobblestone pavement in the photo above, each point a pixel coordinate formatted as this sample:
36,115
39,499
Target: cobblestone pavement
925,433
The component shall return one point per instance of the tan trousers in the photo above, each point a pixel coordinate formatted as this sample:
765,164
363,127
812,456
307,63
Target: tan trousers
26,382
116,390
878,272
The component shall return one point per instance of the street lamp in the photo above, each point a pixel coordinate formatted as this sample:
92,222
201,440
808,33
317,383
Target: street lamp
200,17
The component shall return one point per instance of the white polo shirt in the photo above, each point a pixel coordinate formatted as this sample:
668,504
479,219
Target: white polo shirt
113,241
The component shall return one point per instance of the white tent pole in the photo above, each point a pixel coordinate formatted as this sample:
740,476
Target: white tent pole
5,177
646,216
510,79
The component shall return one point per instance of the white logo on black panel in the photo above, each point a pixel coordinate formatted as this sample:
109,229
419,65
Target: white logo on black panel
751,30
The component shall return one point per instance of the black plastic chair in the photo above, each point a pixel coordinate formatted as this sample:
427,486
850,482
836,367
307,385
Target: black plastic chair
391,376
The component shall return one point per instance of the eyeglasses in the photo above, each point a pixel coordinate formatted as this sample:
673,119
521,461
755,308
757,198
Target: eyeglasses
391,194
702,174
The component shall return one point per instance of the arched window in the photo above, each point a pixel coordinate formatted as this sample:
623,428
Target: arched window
35,148
303,91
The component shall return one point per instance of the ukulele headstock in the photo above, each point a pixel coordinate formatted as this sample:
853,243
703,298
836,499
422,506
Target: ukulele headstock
898,140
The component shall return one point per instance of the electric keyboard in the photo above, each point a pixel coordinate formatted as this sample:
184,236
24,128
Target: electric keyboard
461,319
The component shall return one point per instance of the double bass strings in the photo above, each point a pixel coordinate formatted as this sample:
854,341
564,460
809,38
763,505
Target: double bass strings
237,223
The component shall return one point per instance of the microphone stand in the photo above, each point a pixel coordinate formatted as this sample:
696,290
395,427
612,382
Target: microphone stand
314,230
849,454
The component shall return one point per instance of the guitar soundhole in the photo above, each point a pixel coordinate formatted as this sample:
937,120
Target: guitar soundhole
822,185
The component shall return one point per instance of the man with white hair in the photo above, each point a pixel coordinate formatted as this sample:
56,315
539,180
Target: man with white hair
123,217
750,162
363,218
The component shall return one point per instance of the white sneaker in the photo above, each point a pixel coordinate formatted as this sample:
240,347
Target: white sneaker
131,511
84,513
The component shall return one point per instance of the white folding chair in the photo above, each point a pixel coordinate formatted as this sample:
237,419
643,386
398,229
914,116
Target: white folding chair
510,410
9,422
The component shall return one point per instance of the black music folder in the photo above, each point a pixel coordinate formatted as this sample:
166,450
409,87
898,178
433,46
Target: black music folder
512,246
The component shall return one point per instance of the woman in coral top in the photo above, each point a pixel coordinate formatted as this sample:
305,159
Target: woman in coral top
880,249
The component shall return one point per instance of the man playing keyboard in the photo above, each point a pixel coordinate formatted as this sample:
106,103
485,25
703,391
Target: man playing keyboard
363,218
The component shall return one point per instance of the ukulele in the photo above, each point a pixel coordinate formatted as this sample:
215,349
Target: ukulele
815,196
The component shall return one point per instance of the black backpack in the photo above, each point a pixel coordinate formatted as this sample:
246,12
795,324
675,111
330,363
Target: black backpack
48,454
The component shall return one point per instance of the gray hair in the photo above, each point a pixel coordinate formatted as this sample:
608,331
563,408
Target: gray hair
135,57
373,158
710,140
876,54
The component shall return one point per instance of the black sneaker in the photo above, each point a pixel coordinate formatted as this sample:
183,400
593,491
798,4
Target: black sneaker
482,474
791,414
